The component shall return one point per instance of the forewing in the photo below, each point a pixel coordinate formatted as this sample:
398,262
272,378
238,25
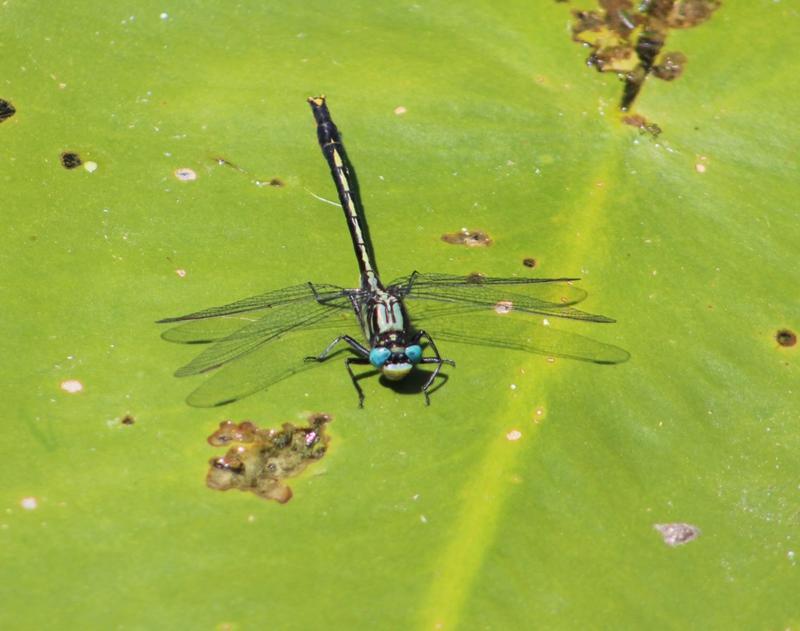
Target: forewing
264,331
544,296
267,300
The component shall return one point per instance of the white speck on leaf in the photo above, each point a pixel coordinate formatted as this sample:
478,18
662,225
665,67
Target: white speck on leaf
677,533
29,503
71,385
185,174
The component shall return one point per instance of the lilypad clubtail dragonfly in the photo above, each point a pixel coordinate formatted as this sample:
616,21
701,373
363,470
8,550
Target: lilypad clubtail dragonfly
258,341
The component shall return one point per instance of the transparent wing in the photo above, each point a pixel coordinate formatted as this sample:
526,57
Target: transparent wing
511,332
267,300
229,343
269,363
545,296
214,329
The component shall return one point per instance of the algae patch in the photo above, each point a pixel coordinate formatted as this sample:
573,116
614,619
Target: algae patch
261,459
630,40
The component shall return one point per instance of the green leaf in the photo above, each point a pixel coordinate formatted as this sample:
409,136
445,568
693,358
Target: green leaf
527,494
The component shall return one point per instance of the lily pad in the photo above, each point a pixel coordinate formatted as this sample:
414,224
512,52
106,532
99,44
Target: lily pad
529,493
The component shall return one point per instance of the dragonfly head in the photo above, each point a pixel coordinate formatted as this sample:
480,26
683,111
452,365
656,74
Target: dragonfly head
395,362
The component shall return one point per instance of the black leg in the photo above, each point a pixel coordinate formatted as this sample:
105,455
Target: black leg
360,361
359,349
326,300
436,359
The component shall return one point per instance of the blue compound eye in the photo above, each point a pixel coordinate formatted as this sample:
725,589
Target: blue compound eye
414,353
379,355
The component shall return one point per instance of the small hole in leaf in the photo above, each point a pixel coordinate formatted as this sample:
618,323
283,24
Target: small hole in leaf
785,337
6,110
70,160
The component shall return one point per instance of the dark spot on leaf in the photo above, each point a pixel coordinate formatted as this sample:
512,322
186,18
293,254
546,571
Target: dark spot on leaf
529,262
260,459
470,238
6,110
677,533
128,420
785,337
70,160
647,48
276,181
629,40
641,123
319,418
476,278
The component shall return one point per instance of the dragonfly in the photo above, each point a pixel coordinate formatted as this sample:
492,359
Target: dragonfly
259,341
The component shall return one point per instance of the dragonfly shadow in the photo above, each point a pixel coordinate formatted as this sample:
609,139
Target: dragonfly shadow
415,381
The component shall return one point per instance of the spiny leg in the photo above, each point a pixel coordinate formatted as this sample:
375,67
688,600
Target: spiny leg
363,359
323,300
437,359
360,361
359,349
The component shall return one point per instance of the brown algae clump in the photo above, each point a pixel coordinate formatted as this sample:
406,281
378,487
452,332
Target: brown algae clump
628,38
260,459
